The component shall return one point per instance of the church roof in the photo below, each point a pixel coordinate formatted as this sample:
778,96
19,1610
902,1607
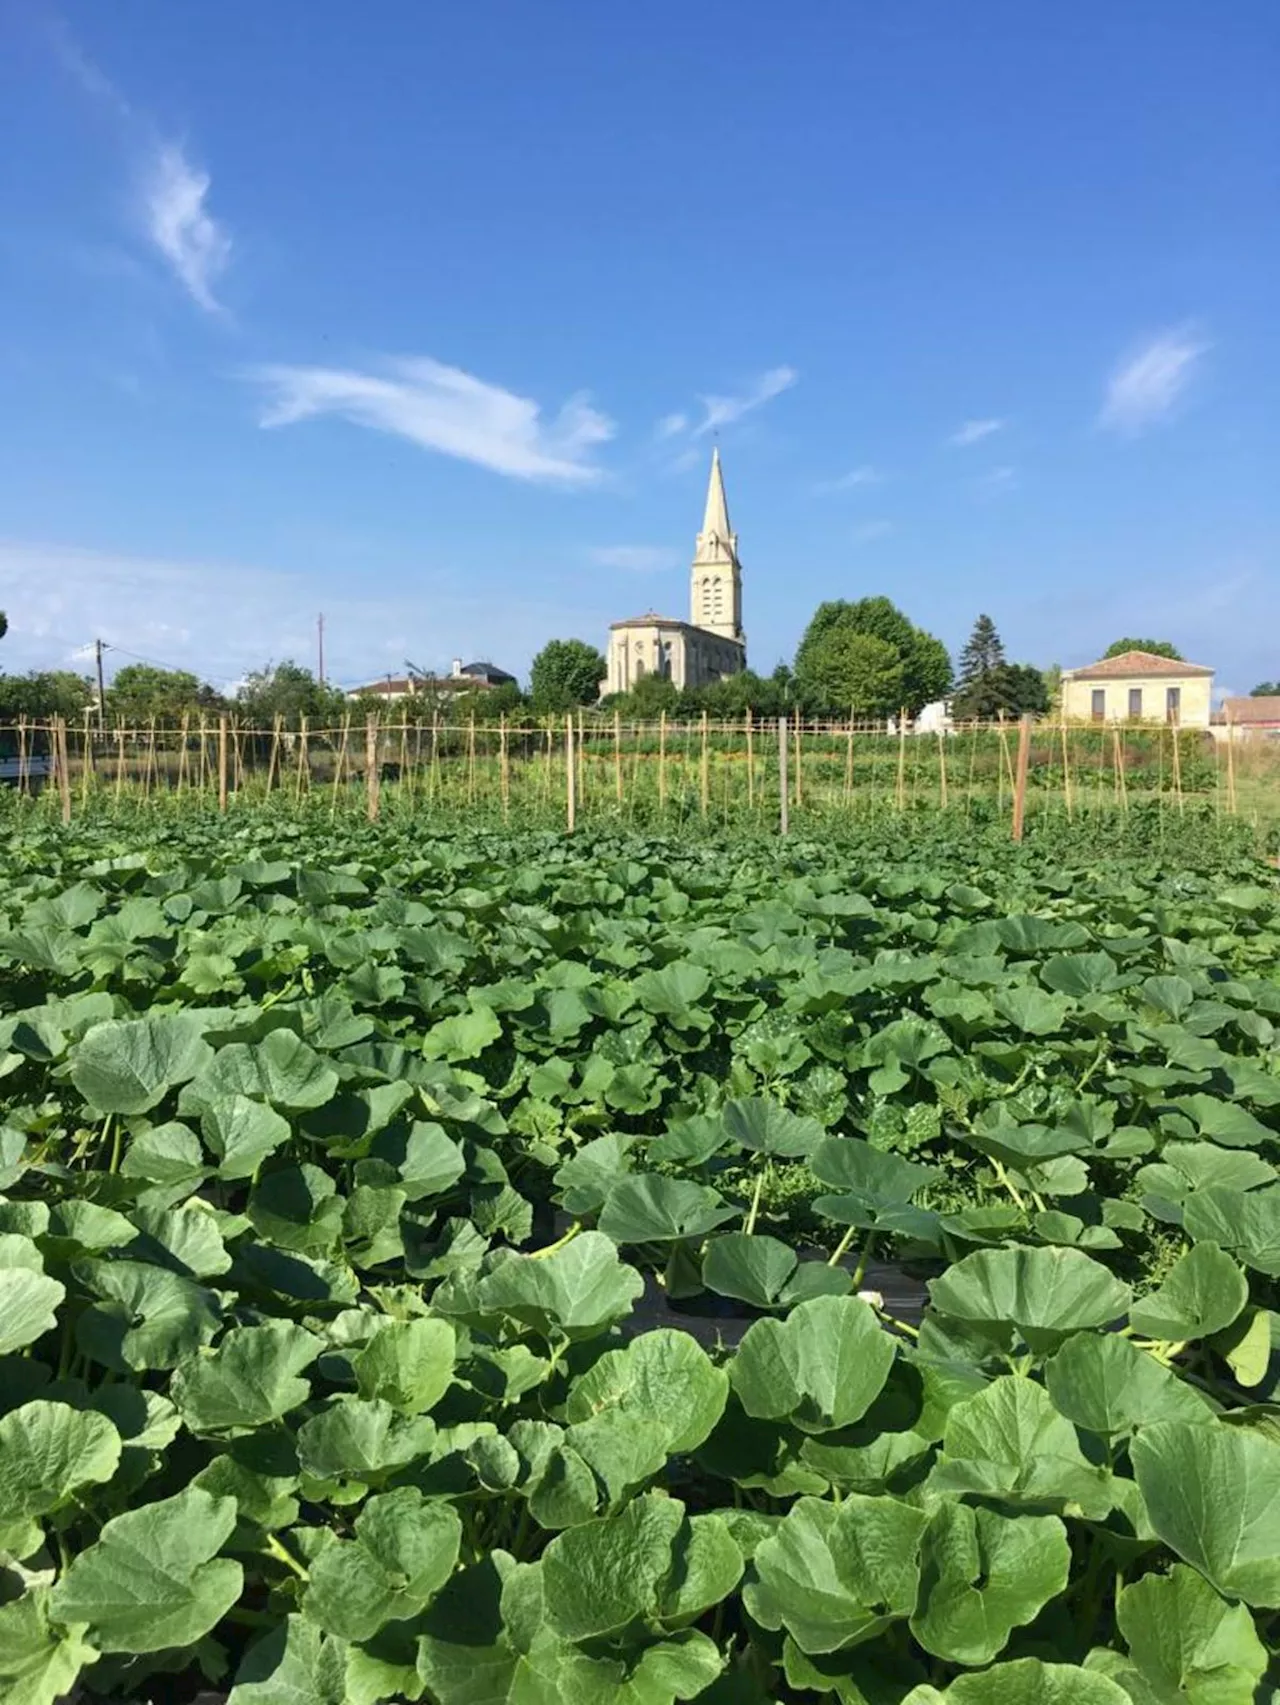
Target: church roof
715,522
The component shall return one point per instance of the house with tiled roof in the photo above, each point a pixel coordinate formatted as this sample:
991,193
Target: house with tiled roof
1139,686
1258,714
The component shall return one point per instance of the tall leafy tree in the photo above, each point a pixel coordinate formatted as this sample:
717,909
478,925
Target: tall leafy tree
44,693
290,691
565,673
140,691
1157,648
1266,690
923,660
850,673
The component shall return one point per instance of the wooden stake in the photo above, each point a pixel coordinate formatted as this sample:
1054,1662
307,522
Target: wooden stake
1066,769
1177,766
1231,765
902,760
942,768
1020,779
582,758
1122,783
617,754
783,788
340,765
24,771
86,763
662,761
848,760
504,765
119,758
204,755
751,767
183,737
435,754
705,768
471,759
799,775
60,760
304,767
274,759
570,777
222,763
372,775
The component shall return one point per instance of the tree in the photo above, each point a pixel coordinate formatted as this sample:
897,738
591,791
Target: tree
140,692
845,672
1266,690
1156,647
925,665
289,691
989,686
4,624
41,695
565,673
983,652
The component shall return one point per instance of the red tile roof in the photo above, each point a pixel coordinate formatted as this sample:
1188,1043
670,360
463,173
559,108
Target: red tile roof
1264,708
1131,663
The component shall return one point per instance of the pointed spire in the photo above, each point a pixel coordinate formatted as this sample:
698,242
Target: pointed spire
715,523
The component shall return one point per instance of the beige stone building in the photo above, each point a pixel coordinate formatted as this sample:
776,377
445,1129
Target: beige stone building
1139,686
711,644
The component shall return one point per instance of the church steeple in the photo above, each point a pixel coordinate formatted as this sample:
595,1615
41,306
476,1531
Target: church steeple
716,593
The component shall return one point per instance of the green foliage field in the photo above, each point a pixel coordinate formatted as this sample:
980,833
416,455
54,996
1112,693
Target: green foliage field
358,1185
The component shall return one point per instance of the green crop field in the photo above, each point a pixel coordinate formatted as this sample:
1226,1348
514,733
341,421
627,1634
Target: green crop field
495,1265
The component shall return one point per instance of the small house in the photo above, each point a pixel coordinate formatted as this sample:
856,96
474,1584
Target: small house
1139,686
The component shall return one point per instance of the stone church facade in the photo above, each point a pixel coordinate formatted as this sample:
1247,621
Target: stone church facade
711,644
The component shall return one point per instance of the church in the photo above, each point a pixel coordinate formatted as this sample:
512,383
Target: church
711,644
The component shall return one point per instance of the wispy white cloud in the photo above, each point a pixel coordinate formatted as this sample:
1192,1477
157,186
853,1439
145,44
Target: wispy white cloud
59,597
998,480
1147,383
195,245
974,431
636,559
723,411
671,425
870,530
92,80
863,476
444,409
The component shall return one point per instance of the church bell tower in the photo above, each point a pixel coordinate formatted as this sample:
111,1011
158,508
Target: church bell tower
716,595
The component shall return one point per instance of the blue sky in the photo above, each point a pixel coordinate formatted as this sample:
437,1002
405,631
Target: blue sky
426,317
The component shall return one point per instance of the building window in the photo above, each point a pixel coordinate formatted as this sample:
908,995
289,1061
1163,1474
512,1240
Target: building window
1173,704
1135,704
1099,705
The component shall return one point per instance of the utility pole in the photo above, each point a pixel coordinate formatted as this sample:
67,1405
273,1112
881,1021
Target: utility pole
102,691
320,648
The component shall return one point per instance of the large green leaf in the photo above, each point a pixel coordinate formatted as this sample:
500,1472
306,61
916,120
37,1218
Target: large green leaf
153,1579
1008,1442
1213,1496
281,1069
1248,1222
1109,1385
821,1368
1025,1681
49,1450
39,1660
28,1298
293,1664
242,1133
983,1575
765,1127
250,1380
407,1363
602,1576
1202,1293
835,1575
648,1208
1045,1294
848,1164
404,1550
1186,1645
127,1065
578,1290
662,1380
146,1318
766,1272
364,1440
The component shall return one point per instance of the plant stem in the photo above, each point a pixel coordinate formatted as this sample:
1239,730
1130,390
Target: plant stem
755,1203
285,1556
840,1247
868,1249
1004,1178
550,1248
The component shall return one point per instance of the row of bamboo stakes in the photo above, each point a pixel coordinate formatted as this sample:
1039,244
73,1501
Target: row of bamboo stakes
228,766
